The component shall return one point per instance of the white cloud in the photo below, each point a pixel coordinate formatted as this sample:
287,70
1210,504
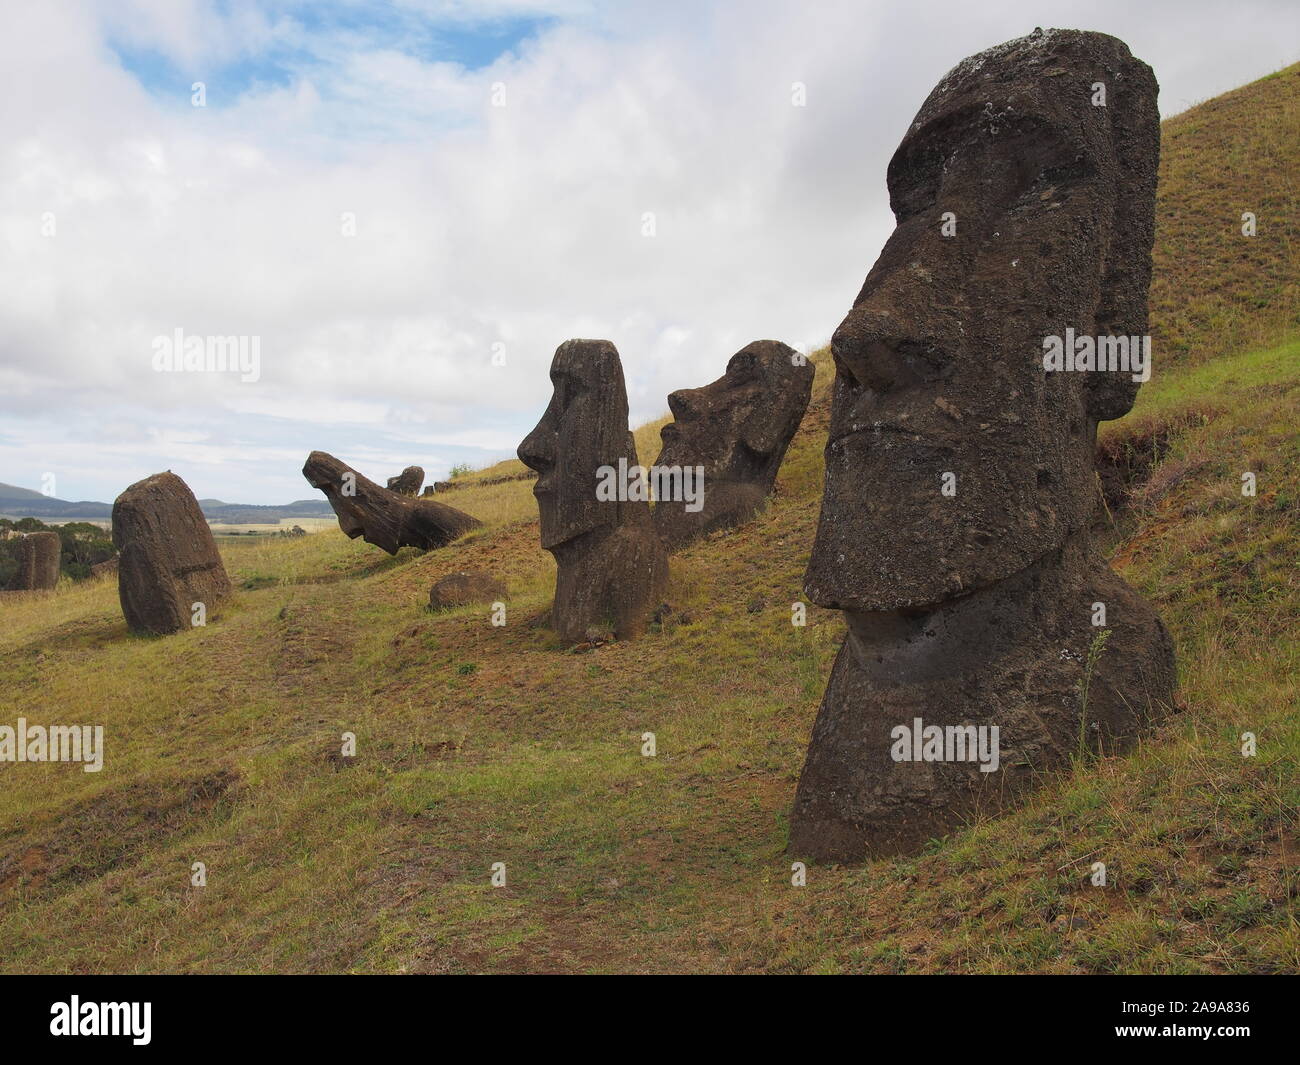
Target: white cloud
474,224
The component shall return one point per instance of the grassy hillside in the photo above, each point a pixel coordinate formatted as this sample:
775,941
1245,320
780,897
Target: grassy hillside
481,744
1216,292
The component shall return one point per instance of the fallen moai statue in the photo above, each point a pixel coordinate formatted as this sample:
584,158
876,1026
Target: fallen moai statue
988,638
380,517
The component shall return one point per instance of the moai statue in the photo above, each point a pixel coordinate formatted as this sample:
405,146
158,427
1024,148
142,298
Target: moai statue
38,562
960,484
381,517
737,429
170,574
611,566
408,482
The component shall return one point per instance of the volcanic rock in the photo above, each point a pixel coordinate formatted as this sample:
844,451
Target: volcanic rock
167,558
955,530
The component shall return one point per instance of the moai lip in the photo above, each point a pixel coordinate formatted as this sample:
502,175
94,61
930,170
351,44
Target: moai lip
736,430
960,484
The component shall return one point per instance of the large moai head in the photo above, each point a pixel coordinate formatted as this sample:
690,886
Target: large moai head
1024,192
168,559
610,565
584,428
737,429
960,485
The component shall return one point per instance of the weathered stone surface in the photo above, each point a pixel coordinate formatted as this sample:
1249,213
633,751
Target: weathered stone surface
737,429
107,568
381,517
611,565
38,562
408,482
976,608
167,557
462,589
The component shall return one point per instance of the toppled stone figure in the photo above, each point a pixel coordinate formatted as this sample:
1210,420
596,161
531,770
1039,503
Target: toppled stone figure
955,530
380,517
737,429
611,565
38,562
408,482
167,557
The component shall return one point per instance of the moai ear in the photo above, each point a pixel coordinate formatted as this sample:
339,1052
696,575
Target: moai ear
764,430
769,427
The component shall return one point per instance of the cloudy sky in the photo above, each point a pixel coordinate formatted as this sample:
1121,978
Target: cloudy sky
410,205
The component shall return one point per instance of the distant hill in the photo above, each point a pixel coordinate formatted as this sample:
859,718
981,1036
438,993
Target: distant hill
18,502
9,491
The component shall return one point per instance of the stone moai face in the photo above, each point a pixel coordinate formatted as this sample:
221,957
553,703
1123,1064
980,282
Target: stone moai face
737,429
1023,209
960,485
584,427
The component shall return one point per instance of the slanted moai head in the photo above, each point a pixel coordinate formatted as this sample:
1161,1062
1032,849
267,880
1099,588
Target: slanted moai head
408,482
583,429
1024,208
737,429
387,519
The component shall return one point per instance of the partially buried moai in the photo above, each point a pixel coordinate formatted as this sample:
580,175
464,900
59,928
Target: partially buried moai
38,562
170,575
988,639
611,565
736,430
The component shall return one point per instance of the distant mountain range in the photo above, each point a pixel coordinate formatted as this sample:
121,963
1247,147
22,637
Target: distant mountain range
18,502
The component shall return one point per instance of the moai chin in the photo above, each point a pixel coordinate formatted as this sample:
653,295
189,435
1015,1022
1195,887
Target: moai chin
737,429
955,530
611,565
